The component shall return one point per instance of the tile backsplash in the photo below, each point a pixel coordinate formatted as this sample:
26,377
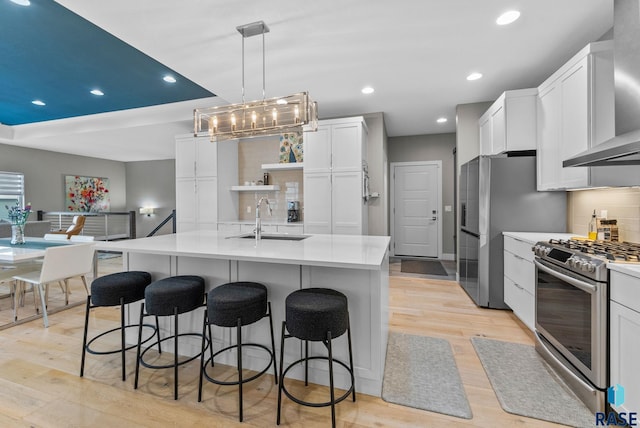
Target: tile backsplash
622,204
252,153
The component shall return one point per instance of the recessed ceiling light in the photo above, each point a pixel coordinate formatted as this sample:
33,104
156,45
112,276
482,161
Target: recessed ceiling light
368,90
441,120
22,2
281,101
474,76
97,92
508,17
38,103
169,79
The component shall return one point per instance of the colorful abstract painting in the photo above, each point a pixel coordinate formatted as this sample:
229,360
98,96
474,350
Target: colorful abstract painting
86,194
291,148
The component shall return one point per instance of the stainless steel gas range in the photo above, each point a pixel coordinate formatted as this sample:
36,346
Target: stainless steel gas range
572,310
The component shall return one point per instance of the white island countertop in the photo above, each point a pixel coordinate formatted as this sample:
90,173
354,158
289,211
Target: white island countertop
340,251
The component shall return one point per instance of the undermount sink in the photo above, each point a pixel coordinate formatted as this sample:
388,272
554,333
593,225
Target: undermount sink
272,236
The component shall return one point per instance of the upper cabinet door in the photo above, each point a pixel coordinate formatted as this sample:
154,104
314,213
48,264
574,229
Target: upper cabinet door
346,147
574,128
196,156
185,157
510,123
317,150
548,155
576,113
206,157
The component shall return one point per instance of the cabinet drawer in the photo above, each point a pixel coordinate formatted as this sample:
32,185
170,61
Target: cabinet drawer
625,289
520,271
520,301
518,247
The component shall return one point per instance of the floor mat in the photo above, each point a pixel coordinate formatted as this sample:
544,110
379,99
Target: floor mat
424,267
525,385
421,372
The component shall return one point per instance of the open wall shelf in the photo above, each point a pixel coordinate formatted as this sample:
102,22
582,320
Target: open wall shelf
281,166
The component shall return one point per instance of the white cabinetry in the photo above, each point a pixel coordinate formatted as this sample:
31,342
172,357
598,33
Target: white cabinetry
202,194
519,279
334,178
510,123
575,112
625,331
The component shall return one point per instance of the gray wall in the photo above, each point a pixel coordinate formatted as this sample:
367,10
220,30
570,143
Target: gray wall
378,174
151,184
44,173
132,185
430,148
468,131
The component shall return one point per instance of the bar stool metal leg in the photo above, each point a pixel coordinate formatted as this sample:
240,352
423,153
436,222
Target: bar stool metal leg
239,363
331,392
84,336
284,326
138,348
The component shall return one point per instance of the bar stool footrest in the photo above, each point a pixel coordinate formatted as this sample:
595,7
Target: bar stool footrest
249,379
115,351
172,365
310,404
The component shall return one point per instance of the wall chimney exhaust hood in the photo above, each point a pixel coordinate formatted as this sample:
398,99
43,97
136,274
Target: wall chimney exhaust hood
624,148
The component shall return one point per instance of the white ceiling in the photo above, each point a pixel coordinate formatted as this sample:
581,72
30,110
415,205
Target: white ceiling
415,53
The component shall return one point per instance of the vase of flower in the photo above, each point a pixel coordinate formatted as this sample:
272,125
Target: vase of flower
18,217
17,234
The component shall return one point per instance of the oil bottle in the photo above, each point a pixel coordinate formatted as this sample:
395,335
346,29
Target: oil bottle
593,227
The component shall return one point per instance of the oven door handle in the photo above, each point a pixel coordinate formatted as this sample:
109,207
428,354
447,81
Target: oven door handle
584,286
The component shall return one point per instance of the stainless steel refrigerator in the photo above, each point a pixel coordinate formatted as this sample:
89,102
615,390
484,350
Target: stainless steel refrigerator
498,194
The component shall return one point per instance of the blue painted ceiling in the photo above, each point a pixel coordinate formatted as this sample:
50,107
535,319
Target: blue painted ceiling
51,54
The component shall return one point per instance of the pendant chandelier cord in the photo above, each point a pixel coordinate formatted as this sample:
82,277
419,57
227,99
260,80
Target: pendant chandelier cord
263,69
243,69
264,92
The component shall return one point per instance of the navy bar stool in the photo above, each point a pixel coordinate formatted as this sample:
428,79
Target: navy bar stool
174,295
316,315
115,289
236,304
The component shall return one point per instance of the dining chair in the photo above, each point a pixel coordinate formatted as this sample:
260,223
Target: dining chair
60,264
55,237
77,224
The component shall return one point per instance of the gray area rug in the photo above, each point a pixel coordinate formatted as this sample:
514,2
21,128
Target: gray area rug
525,385
424,267
421,372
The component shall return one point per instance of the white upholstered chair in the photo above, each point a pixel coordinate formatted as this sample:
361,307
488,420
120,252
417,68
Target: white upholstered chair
60,264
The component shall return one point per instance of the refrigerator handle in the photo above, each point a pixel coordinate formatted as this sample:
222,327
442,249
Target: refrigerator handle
463,214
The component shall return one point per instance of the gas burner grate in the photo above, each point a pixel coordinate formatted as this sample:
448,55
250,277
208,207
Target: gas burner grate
612,251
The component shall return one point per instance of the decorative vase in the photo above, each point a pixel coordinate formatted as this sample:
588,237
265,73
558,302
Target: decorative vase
17,234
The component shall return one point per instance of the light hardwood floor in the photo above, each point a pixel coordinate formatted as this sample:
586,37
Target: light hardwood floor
40,386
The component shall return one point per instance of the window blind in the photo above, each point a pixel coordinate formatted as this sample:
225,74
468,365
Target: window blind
11,184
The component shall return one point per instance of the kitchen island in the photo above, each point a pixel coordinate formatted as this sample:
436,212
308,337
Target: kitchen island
357,266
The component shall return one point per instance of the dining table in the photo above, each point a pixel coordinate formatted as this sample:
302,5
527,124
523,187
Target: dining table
17,259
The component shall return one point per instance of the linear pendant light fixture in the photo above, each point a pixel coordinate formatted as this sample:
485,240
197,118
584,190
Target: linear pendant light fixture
270,116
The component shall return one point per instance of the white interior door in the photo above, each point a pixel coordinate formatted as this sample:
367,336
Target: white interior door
416,209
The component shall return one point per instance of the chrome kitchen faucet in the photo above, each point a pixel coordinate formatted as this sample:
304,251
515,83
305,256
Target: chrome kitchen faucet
258,230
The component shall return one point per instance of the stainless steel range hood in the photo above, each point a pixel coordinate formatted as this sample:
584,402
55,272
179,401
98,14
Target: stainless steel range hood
624,148
621,150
